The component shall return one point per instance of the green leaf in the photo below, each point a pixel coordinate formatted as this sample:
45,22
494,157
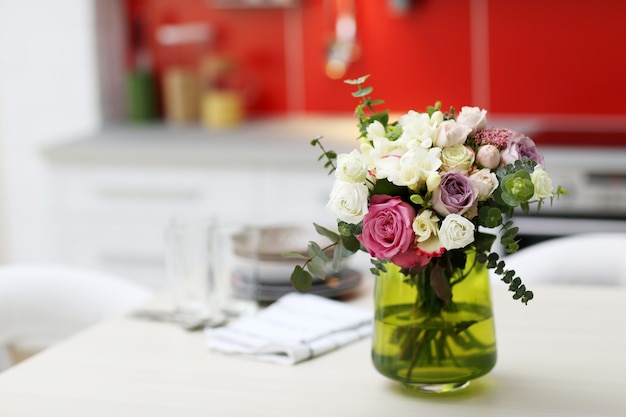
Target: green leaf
337,257
301,279
316,140
357,81
417,199
363,92
316,266
334,237
351,243
382,117
484,241
316,251
440,284
490,216
384,186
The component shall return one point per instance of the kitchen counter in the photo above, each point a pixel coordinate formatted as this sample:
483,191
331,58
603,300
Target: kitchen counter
276,142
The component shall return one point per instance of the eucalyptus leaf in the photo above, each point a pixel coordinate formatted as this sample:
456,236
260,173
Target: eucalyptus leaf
363,92
337,257
316,250
357,81
334,237
316,266
351,243
301,279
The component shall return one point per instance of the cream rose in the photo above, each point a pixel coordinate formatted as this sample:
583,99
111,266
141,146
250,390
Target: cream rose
542,183
348,201
457,158
473,117
456,232
451,133
426,228
351,167
485,181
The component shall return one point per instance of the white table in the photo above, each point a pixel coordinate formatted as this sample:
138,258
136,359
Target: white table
562,355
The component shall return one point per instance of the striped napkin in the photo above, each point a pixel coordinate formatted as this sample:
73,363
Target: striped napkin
295,328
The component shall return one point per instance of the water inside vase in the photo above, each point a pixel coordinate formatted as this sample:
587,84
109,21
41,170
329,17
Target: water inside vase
450,347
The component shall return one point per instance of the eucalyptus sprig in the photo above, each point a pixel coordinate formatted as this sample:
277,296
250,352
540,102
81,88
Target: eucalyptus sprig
331,156
365,109
344,244
493,261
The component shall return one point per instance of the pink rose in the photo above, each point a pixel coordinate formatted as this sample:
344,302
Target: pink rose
387,227
410,258
456,194
518,147
488,156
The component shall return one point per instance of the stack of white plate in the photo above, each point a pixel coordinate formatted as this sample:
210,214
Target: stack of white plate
263,273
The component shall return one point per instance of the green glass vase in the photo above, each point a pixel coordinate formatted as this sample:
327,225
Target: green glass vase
426,343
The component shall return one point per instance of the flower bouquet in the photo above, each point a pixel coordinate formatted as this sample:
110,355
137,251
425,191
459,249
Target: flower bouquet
427,196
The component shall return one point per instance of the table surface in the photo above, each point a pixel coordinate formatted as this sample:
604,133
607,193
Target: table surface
562,355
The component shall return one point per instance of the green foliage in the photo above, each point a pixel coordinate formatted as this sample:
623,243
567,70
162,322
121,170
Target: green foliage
330,156
493,261
301,279
343,244
365,109
516,188
490,216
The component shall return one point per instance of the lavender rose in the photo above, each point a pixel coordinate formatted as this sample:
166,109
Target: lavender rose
518,147
387,227
456,194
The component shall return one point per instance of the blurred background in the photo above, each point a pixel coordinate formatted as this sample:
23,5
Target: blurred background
117,114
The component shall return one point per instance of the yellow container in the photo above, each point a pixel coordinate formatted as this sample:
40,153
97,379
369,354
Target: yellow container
222,109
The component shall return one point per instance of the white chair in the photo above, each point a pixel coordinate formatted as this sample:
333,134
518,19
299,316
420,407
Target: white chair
42,304
586,258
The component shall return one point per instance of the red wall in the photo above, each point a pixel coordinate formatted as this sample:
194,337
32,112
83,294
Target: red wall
544,57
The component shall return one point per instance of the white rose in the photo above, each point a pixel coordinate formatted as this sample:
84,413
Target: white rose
473,117
351,167
451,133
426,228
456,232
348,201
457,158
485,181
542,183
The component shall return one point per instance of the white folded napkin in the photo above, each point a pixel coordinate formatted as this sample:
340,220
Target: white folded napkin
295,328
